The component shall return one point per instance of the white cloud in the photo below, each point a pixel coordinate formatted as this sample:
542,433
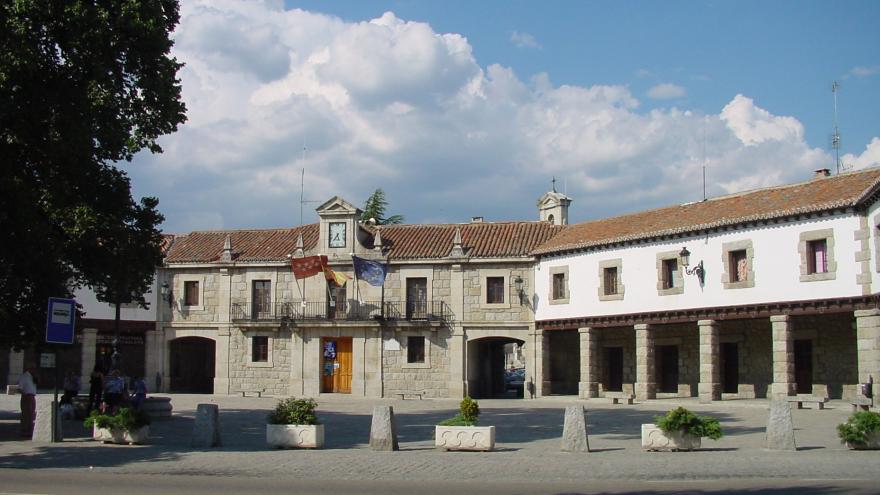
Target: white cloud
869,158
390,103
524,40
666,91
865,71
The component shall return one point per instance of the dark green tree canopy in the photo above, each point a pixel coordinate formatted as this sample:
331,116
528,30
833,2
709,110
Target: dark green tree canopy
374,208
83,84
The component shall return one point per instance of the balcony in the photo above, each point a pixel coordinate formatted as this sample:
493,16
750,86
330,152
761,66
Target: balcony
351,310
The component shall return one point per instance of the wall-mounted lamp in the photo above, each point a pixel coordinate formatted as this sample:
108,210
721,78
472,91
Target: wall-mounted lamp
167,294
684,258
518,284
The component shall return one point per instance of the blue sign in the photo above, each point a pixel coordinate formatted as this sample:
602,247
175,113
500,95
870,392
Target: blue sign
60,320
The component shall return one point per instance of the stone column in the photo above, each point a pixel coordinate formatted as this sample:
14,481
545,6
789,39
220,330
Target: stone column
646,386
710,362
458,343
783,357
296,361
152,354
87,350
868,341
588,387
542,363
221,363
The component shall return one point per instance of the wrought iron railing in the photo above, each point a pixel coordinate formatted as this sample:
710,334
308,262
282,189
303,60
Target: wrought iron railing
343,310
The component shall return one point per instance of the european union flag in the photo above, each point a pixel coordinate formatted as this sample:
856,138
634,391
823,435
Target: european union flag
371,271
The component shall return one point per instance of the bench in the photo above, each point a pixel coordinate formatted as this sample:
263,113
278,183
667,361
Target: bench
257,391
861,402
410,393
616,397
809,399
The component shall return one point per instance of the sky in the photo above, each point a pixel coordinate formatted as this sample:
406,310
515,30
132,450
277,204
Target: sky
470,108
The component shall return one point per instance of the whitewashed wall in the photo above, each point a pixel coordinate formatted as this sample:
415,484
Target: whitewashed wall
103,311
776,267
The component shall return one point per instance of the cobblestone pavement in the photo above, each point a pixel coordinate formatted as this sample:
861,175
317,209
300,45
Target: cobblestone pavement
528,435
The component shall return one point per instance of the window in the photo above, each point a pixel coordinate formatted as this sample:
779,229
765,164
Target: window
559,293
610,280
494,290
817,256
415,349
191,293
260,349
558,286
670,270
262,299
739,266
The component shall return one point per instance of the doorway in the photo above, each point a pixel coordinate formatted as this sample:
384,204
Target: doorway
416,298
667,368
614,369
192,365
729,367
495,368
565,362
336,365
803,366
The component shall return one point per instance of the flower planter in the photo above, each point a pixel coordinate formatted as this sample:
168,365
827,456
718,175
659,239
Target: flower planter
115,435
873,443
655,439
477,438
295,436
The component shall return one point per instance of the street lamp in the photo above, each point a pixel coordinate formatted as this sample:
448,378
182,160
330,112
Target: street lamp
684,258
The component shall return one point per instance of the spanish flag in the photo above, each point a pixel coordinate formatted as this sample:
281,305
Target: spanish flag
338,278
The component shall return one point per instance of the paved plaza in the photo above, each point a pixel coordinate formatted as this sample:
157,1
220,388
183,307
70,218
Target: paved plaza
528,435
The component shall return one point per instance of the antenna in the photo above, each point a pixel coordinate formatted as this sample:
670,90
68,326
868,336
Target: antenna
835,138
302,186
704,158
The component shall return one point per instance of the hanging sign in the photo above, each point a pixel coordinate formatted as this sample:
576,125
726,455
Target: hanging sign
60,320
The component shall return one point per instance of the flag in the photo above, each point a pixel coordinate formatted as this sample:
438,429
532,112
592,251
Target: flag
371,271
339,278
308,266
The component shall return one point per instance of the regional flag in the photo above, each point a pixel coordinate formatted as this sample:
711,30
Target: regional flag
371,271
308,266
339,278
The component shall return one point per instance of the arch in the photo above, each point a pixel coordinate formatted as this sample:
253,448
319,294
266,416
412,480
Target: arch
192,365
493,370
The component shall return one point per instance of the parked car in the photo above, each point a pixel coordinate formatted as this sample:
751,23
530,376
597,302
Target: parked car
514,379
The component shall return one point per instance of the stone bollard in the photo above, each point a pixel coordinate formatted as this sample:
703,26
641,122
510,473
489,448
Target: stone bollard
574,433
206,430
780,428
383,435
47,412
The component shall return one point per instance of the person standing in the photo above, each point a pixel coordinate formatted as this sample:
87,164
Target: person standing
71,387
140,392
28,387
96,387
113,391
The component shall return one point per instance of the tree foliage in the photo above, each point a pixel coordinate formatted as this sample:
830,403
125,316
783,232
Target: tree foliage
83,84
374,208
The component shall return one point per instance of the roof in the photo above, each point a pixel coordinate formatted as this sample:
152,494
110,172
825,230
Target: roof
479,240
247,245
817,195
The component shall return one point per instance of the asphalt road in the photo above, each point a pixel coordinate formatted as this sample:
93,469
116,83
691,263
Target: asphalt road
85,482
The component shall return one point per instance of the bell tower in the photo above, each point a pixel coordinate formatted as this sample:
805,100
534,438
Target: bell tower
553,206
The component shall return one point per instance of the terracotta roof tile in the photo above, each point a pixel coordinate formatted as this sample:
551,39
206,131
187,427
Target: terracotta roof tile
247,245
823,194
479,240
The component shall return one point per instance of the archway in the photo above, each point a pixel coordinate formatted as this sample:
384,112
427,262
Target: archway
495,368
192,365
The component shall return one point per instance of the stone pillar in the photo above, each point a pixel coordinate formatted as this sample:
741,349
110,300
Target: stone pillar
221,363
296,362
710,362
588,387
783,357
87,350
458,343
646,386
542,363
868,341
152,358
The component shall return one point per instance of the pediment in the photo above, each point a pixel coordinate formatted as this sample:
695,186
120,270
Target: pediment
337,206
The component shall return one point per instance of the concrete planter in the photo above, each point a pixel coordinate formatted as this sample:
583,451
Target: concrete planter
295,436
477,438
873,443
115,435
655,439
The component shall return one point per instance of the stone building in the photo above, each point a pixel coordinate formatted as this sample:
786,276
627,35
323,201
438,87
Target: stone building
764,293
235,319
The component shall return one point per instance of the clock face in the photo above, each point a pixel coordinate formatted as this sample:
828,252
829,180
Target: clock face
337,234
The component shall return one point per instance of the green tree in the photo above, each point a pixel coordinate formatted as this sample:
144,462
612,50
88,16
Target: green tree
374,208
83,84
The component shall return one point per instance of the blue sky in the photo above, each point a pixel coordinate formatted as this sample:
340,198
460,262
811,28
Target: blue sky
460,108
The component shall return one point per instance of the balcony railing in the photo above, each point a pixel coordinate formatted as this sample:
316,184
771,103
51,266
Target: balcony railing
343,310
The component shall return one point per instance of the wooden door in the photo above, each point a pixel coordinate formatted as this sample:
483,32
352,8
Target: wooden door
336,365
416,298
262,299
803,366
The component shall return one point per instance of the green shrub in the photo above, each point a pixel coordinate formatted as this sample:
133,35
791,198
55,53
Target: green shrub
294,411
858,427
680,419
468,415
125,419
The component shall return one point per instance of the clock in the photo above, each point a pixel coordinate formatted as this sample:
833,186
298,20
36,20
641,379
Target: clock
337,234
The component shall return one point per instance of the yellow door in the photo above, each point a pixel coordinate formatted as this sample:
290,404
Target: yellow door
336,365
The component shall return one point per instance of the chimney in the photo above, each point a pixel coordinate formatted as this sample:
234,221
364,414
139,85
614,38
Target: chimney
476,219
226,255
822,173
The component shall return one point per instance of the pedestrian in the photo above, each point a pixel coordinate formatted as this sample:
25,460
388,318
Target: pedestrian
140,392
96,387
28,386
113,390
71,387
